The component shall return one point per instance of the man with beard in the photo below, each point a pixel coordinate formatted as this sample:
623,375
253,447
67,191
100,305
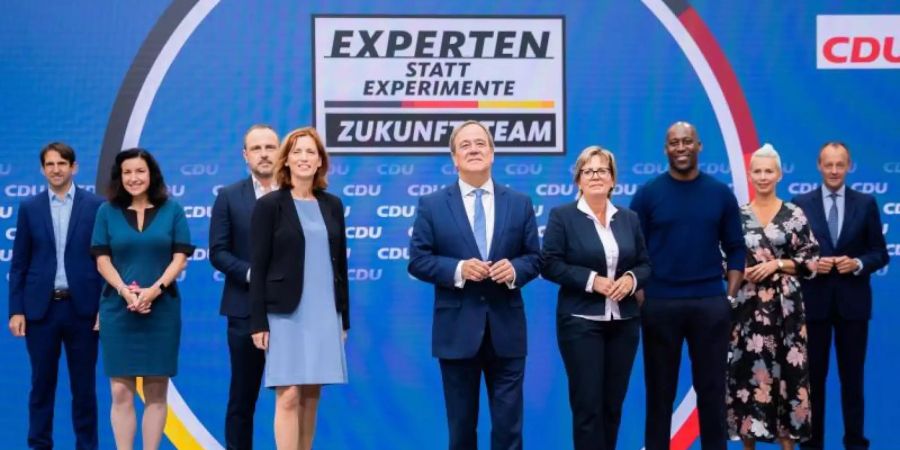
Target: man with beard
229,245
54,293
687,216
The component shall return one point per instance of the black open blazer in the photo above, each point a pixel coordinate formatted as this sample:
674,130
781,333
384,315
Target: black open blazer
278,251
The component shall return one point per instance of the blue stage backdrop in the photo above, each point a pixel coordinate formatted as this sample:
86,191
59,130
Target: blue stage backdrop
385,81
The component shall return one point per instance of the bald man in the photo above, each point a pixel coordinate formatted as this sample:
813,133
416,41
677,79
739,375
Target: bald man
687,216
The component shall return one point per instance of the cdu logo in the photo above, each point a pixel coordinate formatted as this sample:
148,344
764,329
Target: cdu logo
193,170
199,254
890,208
418,190
649,168
802,188
176,190
11,234
538,210
338,169
625,189
364,274
6,255
392,253
362,190
523,169
448,169
396,211
554,189
395,169
363,232
892,167
5,169
880,187
6,212
23,190
197,212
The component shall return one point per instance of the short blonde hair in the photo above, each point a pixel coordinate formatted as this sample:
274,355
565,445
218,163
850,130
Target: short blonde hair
585,157
767,151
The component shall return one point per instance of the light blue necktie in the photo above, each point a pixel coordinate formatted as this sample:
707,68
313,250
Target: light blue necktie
480,225
833,218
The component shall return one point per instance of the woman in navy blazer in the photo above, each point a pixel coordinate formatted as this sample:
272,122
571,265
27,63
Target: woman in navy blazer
596,253
299,295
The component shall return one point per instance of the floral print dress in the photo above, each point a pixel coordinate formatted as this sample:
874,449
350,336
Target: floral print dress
768,372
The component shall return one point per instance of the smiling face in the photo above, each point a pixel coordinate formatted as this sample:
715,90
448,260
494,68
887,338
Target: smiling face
834,162
595,178
58,171
682,148
303,159
764,174
135,176
473,153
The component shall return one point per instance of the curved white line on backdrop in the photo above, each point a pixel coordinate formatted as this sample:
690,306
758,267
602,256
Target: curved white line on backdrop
159,68
133,131
713,91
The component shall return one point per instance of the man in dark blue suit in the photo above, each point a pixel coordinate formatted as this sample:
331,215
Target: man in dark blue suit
54,290
476,242
838,299
229,244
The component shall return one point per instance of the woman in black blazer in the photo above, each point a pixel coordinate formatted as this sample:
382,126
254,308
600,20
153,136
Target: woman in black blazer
299,302
596,253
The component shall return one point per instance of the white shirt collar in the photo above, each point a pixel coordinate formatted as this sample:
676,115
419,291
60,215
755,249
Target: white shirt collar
611,210
70,194
840,192
257,186
466,188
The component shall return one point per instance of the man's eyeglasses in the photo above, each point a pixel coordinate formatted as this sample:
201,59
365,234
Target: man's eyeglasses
603,172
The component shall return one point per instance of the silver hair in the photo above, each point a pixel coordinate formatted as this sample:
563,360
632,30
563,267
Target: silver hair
767,151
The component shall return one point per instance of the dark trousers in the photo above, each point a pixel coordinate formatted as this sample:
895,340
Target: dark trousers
247,365
850,338
705,323
462,385
61,326
598,357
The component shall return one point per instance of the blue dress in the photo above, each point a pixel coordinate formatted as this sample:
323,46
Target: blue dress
137,344
305,346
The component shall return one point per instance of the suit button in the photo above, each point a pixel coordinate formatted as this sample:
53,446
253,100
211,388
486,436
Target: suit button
482,298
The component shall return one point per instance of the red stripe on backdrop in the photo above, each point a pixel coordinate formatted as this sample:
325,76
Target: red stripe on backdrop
688,432
440,104
724,73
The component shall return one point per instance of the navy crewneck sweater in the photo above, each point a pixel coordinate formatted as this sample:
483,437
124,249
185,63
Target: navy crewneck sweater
685,224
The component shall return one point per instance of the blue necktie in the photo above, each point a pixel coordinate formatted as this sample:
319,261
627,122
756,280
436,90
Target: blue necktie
833,218
480,225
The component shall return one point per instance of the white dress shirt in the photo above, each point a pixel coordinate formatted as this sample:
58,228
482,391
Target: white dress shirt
487,201
611,250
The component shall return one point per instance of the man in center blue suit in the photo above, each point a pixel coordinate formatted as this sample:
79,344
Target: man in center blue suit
476,242
229,245
54,292
838,299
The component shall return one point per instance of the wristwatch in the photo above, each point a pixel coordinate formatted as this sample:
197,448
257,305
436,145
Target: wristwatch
780,265
731,299
162,286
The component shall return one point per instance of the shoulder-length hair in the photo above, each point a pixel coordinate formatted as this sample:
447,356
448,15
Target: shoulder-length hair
283,172
157,192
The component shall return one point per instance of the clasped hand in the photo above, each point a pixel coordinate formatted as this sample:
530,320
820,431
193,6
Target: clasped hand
615,290
761,271
477,270
140,299
844,264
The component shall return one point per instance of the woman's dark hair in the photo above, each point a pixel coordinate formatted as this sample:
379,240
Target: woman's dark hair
157,192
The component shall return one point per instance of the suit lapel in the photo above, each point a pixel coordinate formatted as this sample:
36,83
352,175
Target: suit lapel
850,212
458,211
248,195
587,233
622,235
77,203
817,219
47,216
288,210
501,213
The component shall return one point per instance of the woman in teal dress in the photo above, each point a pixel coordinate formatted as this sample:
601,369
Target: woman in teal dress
141,241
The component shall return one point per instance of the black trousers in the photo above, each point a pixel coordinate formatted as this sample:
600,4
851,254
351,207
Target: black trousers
850,340
705,324
598,357
247,365
462,385
62,327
